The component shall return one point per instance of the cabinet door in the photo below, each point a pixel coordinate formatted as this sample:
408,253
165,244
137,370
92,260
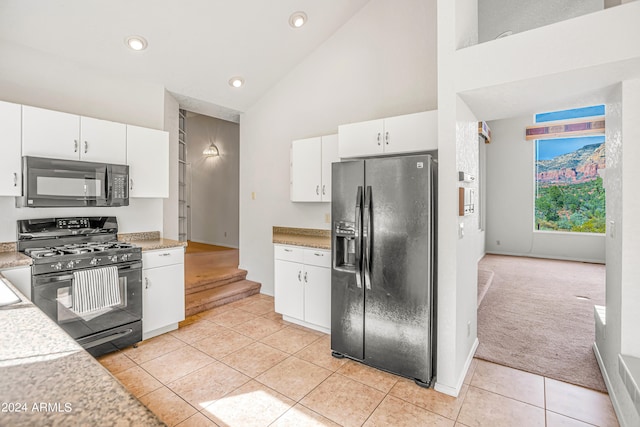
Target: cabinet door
47,133
289,290
317,296
10,149
360,139
148,160
329,155
306,181
411,133
163,300
103,141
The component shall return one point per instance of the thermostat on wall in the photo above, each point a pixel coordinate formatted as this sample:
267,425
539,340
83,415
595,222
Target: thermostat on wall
466,177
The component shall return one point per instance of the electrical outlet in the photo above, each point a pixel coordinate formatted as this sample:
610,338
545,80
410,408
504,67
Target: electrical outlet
469,328
253,195
461,230
225,234
498,242
327,218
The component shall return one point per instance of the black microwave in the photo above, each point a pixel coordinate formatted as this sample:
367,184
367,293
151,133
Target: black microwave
70,183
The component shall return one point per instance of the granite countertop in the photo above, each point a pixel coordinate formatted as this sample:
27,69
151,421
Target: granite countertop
150,241
13,259
46,378
309,237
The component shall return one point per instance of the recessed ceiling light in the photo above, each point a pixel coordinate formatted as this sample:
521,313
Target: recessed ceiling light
297,19
236,81
136,42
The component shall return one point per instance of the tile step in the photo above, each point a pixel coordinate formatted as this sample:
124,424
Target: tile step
211,278
207,299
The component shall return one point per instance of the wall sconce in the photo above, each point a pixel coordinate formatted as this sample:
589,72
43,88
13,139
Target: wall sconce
211,151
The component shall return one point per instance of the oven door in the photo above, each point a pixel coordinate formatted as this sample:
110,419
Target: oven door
60,183
53,294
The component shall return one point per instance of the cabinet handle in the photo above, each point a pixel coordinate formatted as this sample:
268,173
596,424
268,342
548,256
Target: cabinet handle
75,145
165,254
323,190
318,254
378,139
86,147
146,283
130,183
15,179
288,250
299,274
305,277
317,190
386,138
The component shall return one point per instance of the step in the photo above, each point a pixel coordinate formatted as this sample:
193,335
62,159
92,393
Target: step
196,281
210,298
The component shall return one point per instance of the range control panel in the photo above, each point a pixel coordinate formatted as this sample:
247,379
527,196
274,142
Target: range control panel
70,223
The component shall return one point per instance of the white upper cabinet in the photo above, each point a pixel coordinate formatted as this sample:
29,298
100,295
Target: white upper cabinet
329,156
306,170
394,135
361,139
411,133
103,141
47,133
311,168
148,160
57,135
10,158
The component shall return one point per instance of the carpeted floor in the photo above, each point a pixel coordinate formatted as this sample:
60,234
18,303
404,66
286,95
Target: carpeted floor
537,316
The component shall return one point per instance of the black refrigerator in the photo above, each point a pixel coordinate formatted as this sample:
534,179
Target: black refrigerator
384,263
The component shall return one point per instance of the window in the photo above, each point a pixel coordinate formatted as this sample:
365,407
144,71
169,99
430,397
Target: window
569,193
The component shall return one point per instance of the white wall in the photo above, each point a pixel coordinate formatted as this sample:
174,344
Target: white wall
630,227
467,160
33,78
595,39
170,204
214,181
510,202
140,215
498,16
621,332
380,63
457,258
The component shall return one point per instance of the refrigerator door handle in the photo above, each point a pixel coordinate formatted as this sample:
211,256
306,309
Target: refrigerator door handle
366,239
358,235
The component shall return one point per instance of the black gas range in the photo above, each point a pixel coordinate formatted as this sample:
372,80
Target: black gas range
85,279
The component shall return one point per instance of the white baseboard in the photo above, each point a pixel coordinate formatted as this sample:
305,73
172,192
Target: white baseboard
610,389
562,258
306,324
455,391
159,331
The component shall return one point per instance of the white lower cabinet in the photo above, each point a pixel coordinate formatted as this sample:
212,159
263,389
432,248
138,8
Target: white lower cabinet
163,291
303,286
20,277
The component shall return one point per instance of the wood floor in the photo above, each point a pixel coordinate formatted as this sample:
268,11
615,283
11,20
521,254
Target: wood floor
212,277
196,247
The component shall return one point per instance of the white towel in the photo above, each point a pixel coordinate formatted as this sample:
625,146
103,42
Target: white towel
95,289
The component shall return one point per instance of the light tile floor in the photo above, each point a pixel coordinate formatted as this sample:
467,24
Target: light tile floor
242,365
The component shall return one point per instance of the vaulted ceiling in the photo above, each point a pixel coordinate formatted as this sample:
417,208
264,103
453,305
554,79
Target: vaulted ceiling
194,46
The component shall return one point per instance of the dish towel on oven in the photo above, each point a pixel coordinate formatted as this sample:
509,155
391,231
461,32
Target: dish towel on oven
95,289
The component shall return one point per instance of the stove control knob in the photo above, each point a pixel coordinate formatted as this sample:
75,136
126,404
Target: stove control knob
113,258
124,257
57,266
70,264
94,261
